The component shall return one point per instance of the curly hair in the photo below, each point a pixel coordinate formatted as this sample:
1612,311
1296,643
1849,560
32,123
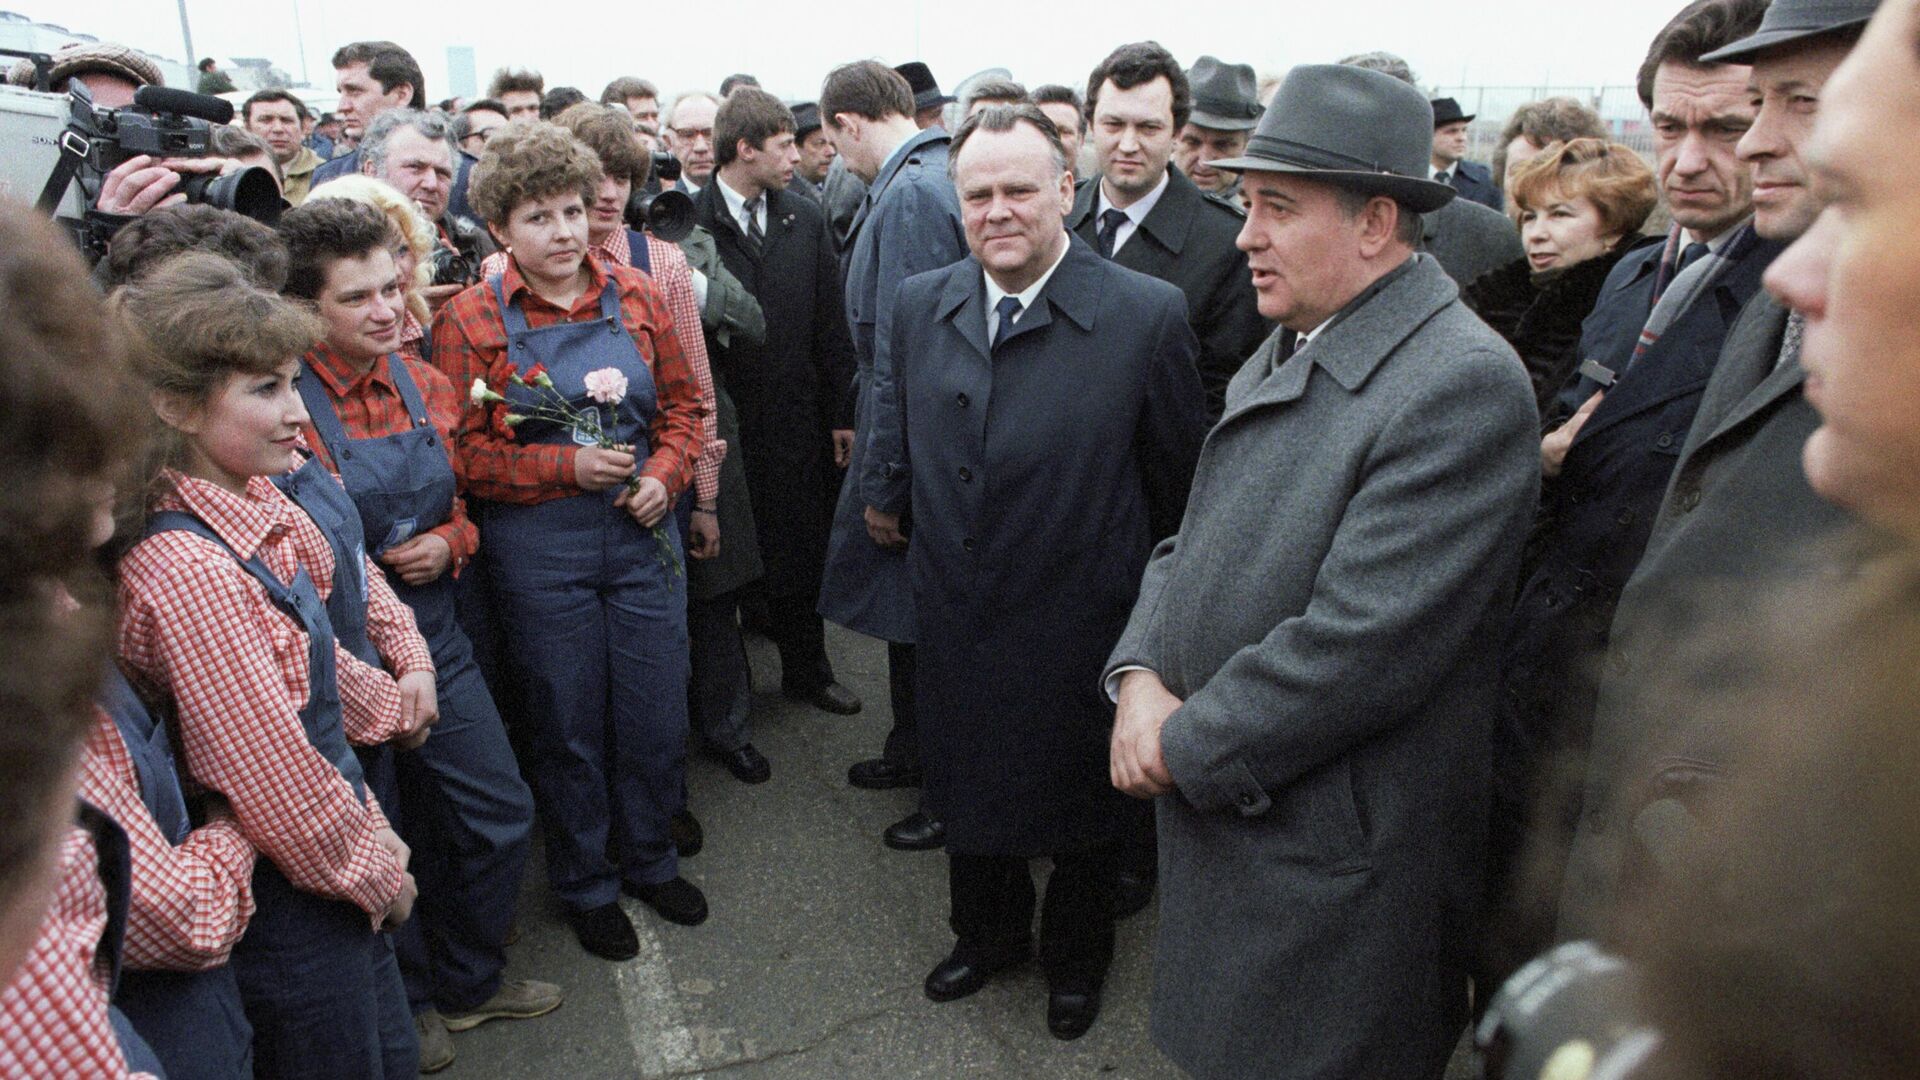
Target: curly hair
530,159
608,132
321,232
153,237
1611,175
406,219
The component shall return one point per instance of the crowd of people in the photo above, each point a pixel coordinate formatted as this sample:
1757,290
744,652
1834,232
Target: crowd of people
1426,576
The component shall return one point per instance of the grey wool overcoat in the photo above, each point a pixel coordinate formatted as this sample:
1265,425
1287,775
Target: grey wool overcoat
1331,612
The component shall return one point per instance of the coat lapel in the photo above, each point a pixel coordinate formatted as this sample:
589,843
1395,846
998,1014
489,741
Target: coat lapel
1073,291
1755,354
964,303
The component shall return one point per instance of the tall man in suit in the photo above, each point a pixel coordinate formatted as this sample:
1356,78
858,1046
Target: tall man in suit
1148,216
791,391
1306,681
1051,415
908,223
1738,513
1450,165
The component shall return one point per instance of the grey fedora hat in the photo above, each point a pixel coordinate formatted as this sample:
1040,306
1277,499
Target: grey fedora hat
1226,97
1350,127
1788,21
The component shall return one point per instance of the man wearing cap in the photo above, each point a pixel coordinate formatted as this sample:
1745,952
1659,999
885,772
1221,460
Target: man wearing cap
816,151
1147,216
1226,108
1450,165
111,73
1306,680
928,101
1739,517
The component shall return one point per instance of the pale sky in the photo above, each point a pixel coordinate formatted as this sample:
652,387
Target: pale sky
790,46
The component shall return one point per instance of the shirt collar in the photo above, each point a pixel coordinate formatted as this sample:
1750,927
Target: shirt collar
243,522
616,249
1719,243
341,378
1028,295
512,284
736,202
1142,206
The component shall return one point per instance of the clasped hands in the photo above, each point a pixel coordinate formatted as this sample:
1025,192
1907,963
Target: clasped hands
1135,763
597,468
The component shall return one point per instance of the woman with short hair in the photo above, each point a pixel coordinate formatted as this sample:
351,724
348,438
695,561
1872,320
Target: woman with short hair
414,241
1581,206
583,560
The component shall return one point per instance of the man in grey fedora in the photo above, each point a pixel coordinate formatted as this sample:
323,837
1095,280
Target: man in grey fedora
1226,109
1306,681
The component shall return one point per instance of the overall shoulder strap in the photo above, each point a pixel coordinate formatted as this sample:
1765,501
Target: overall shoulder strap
409,390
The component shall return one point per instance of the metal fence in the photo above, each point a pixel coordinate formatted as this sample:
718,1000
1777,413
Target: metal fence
1618,106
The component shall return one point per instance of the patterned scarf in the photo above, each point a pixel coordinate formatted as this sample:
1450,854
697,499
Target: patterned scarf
1672,298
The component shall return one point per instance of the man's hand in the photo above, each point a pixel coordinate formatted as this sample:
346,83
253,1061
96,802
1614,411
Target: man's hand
842,447
144,183
1135,763
646,501
703,534
420,560
1554,447
402,907
436,295
395,846
419,708
885,529
597,469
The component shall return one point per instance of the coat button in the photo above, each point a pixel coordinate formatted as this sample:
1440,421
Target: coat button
1248,799
961,400
966,475
1663,441
1625,517
1690,499
967,544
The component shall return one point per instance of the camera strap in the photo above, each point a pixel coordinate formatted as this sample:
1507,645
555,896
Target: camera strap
73,152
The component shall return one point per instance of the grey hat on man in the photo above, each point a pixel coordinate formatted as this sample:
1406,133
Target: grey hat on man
1352,128
1226,97
1789,21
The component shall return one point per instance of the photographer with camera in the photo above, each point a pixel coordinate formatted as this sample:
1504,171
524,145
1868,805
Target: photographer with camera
414,152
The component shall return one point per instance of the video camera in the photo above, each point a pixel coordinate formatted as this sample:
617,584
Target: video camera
65,165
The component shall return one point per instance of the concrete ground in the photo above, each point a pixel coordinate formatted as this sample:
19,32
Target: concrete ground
811,963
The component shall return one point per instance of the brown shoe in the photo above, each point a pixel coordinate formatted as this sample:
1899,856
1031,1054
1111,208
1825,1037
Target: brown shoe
436,1046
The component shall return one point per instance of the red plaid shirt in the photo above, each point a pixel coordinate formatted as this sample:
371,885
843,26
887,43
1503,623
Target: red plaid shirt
470,342
675,278
197,627
53,1014
369,405
190,903
413,339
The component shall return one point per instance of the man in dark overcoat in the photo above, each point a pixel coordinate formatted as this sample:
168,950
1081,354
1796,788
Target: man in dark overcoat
791,391
908,223
1307,678
1052,415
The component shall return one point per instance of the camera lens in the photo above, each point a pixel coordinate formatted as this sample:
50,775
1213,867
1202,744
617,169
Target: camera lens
251,192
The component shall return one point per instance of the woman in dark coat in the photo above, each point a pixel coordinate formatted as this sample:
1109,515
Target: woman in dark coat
1581,207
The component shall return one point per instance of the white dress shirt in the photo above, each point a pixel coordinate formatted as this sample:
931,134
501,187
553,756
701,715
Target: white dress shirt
1026,296
1136,213
737,206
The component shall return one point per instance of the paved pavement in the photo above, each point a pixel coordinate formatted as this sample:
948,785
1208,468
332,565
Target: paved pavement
810,966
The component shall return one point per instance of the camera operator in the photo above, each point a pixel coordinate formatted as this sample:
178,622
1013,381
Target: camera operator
414,152
111,72
144,183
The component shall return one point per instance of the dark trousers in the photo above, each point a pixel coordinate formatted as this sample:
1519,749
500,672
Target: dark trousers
993,900
903,740
800,635
720,692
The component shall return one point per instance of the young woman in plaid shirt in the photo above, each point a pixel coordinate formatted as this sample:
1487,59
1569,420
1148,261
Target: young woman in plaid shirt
592,607
222,613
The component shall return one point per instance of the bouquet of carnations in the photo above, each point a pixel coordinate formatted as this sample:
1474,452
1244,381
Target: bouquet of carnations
605,386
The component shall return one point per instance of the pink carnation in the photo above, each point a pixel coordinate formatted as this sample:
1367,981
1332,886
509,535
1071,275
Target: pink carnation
607,386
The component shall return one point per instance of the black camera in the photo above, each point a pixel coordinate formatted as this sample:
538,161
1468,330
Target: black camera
666,167
459,263
666,214
1569,1012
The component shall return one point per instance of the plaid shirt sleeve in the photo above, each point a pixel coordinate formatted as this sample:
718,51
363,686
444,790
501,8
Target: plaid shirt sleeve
190,903
53,1013
370,704
469,343
197,627
676,284
676,424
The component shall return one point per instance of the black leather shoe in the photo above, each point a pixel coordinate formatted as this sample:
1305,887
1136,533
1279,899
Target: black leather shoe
964,972
677,901
879,774
749,766
606,932
915,832
832,698
688,837
1131,892
1071,1012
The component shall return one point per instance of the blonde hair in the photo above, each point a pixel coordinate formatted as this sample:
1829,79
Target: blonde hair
408,221
1612,176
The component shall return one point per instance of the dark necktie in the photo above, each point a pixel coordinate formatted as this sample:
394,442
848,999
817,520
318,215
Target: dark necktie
1109,228
1441,176
1691,255
1008,308
755,235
